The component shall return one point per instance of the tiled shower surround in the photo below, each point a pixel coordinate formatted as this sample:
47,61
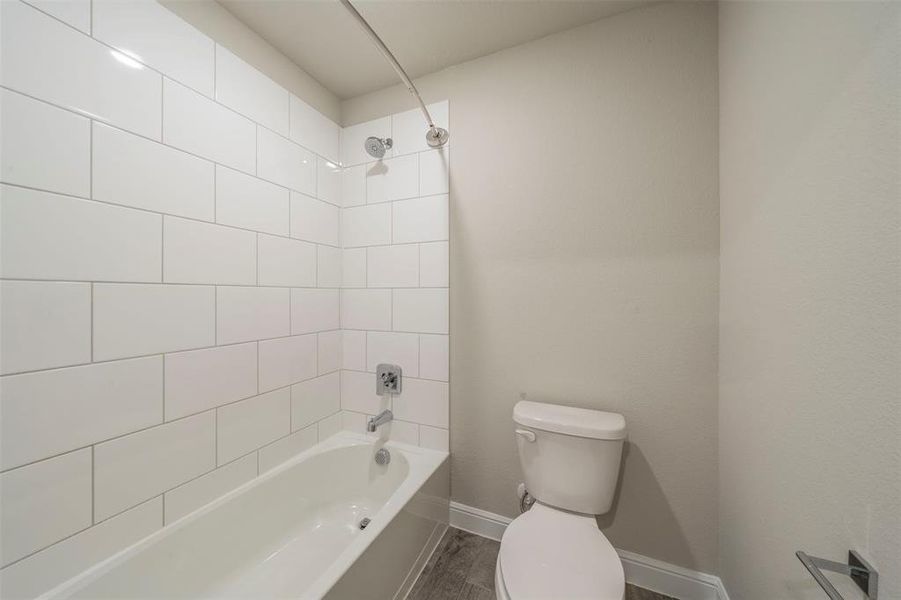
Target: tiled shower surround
193,290
394,301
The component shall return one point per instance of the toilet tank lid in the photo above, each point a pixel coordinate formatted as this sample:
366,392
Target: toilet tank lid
569,420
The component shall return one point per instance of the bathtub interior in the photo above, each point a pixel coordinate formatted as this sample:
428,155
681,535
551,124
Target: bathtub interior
275,537
392,563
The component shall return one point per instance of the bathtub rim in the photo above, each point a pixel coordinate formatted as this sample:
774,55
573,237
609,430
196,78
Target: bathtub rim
422,462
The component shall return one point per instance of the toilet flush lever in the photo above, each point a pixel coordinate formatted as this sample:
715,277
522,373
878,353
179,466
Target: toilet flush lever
529,435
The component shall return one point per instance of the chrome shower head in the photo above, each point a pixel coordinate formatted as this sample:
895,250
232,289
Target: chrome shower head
376,147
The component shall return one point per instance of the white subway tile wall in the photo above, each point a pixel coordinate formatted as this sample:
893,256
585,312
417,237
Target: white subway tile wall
314,220
315,399
185,271
247,91
44,324
287,360
279,451
93,80
48,236
199,380
149,255
286,262
311,129
32,576
44,503
76,13
328,181
150,34
251,313
179,183
394,288
196,493
196,124
51,412
44,146
244,426
131,469
250,203
328,265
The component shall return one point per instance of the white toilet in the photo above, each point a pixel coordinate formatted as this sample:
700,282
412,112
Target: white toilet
555,551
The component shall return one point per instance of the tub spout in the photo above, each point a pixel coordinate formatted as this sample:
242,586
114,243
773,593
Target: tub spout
380,419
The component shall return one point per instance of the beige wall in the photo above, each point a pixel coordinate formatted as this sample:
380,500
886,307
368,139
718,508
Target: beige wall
810,371
212,19
584,243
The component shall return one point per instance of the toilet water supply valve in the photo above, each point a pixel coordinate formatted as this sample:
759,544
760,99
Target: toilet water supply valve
525,498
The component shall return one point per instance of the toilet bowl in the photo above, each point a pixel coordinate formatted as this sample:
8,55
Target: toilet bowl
547,553
555,551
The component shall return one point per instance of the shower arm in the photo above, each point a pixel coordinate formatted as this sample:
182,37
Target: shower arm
390,58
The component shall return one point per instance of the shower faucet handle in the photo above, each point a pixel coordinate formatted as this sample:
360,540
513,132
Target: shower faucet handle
388,379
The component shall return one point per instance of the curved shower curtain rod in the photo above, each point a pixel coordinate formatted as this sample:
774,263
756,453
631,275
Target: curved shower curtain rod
436,136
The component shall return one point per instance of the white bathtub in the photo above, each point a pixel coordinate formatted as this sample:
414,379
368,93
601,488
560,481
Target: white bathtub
293,532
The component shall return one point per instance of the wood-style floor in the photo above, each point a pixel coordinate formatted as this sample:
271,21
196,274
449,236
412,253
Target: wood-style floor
462,568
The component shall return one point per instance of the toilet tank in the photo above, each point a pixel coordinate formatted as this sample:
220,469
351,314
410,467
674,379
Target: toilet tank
570,456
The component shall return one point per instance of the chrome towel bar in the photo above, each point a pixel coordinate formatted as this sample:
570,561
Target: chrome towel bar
859,570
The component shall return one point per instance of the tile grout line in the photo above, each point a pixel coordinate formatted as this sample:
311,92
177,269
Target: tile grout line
161,495
189,87
183,284
162,105
93,486
141,430
291,409
290,223
213,347
163,361
126,207
290,313
73,534
91,157
174,351
92,322
166,144
216,438
163,250
215,193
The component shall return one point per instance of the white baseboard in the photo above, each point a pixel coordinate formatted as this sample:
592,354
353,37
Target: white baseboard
478,521
670,580
642,571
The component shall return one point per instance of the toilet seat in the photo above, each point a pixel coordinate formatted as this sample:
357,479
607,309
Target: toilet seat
551,554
